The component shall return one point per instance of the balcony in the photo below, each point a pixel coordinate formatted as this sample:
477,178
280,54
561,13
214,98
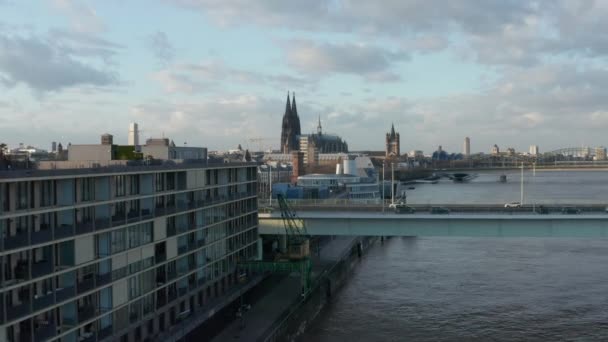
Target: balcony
85,313
15,241
41,268
102,223
133,216
105,332
65,293
171,275
84,227
182,249
21,270
18,311
147,214
161,299
172,295
44,300
45,234
103,279
88,337
64,231
160,257
86,284
45,332
119,219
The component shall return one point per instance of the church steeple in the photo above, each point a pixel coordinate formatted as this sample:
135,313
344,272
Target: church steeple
392,131
294,112
287,108
290,129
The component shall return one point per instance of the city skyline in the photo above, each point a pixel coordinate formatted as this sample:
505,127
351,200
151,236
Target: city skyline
215,73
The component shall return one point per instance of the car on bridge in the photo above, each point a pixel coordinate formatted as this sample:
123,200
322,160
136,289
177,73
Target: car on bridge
571,210
513,205
440,210
402,208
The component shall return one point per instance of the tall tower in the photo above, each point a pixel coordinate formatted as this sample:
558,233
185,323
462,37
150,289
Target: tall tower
319,128
133,134
467,147
290,128
393,147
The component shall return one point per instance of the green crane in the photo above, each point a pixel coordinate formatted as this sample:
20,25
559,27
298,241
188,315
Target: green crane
297,252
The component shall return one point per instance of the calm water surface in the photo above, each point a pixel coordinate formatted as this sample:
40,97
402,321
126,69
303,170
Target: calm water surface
550,187
474,289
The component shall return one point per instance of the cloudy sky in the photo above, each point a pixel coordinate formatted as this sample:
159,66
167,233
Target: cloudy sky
216,72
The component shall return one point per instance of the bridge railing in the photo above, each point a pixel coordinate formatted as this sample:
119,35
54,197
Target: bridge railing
377,205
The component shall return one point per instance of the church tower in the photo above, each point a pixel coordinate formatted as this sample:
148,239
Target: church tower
290,128
393,148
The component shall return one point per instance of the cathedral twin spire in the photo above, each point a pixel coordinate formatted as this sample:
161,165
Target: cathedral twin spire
291,126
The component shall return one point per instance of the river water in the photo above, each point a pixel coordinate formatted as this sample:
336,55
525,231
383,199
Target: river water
545,187
479,289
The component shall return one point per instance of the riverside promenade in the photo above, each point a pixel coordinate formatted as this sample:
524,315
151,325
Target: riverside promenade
270,308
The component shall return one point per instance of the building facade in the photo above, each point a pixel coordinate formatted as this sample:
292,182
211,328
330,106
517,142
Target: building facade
600,153
495,150
393,148
466,151
133,139
119,254
534,150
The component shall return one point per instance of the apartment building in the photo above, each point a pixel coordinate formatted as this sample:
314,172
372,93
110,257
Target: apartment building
120,253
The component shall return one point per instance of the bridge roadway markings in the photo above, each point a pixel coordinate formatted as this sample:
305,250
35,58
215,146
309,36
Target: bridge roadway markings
472,225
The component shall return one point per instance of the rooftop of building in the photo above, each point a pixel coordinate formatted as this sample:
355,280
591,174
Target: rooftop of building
127,166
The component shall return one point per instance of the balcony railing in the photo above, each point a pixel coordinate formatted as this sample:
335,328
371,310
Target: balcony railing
105,332
64,231
85,313
119,219
147,214
43,301
84,227
41,268
64,293
15,241
86,285
20,310
41,236
161,257
45,332
133,216
102,223
103,279
88,337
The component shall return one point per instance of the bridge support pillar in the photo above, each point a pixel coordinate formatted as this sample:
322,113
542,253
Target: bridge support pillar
282,242
260,249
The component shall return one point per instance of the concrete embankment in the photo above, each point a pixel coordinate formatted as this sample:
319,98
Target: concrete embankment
298,316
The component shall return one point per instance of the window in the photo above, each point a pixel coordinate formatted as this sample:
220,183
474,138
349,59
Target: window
120,185
87,189
118,241
134,287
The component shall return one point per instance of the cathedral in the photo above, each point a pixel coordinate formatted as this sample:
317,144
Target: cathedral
290,130
292,138
392,143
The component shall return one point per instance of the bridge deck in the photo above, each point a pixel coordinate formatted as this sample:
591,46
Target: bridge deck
587,225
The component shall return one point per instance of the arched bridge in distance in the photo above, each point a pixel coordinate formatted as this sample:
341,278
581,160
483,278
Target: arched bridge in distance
494,221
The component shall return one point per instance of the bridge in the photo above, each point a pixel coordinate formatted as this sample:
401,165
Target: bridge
463,221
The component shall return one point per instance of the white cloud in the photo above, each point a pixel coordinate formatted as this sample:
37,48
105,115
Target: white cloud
370,61
83,18
162,48
44,66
